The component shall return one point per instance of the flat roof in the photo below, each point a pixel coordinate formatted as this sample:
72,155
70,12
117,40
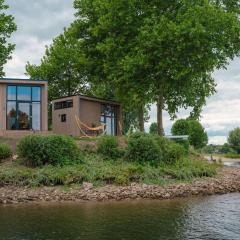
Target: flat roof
91,98
23,79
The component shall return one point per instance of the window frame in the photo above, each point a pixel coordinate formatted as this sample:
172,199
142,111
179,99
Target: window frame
31,101
63,104
112,116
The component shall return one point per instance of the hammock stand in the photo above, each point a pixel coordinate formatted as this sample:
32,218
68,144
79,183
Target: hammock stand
85,130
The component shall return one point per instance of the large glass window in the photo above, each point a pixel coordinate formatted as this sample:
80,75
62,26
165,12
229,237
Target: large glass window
23,108
108,117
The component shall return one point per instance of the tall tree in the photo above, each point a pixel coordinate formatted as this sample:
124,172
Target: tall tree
7,27
62,65
161,51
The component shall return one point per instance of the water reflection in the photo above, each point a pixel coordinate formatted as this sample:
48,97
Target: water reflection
216,217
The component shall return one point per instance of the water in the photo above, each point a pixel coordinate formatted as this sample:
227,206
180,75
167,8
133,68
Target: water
215,217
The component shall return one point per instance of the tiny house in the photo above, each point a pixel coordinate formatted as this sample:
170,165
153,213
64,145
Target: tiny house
24,106
92,112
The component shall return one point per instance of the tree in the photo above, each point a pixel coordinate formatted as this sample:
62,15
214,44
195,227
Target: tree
159,51
7,27
63,66
153,128
234,139
181,127
197,135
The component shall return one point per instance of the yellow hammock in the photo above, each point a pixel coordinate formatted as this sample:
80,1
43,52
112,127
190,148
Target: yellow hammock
93,129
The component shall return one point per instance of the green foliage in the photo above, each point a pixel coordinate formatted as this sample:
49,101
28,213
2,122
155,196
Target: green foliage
62,65
5,151
108,147
188,169
234,139
232,155
185,144
7,27
153,149
153,128
143,148
193,128
97,170
158,50
54,150
181,127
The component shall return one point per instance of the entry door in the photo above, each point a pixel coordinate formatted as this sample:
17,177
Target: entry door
24,115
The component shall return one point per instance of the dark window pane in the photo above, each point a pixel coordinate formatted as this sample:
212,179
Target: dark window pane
36,116
24,93
24,116
63,118
36,93
64,104
11,93
11,116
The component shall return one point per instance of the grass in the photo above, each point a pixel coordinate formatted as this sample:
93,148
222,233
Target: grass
232,155
100,171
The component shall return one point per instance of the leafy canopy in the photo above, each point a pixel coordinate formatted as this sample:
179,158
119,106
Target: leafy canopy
7,27
197,135
147,49
234,139
62,65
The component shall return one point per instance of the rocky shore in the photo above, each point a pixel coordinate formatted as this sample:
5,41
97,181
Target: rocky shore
227,181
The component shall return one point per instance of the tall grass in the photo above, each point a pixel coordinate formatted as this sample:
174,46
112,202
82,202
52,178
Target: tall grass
99,171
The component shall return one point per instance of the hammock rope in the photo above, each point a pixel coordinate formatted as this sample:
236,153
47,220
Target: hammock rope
95,129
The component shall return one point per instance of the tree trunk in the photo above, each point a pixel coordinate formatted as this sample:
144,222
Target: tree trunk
141,118
160,105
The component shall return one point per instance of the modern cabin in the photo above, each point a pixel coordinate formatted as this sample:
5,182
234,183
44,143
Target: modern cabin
92,112
24,106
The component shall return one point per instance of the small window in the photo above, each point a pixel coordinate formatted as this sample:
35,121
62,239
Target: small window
64,104
63,118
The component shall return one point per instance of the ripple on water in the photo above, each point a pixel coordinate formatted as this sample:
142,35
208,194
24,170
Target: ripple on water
215,217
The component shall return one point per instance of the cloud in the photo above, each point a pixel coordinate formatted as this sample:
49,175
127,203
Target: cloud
39,21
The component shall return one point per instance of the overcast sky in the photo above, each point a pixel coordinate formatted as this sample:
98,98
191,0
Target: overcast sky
39,21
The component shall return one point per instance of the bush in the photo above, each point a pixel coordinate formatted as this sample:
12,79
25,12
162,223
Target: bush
5,151
197,135
54,150
153,128
172,151
185,144
234,139
108,146
143,148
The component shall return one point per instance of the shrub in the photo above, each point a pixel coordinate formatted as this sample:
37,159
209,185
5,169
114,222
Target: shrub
153,128
185,144
234,139
54,150
197,135
5,151
172,151
143,148
108,146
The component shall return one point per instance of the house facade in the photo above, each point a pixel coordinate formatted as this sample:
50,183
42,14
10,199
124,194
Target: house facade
24,106
91,112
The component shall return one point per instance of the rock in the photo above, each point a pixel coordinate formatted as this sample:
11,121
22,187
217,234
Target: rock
87,186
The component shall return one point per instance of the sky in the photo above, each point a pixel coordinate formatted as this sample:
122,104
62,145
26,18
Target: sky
39,21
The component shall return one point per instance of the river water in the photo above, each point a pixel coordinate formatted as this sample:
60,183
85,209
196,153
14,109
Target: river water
214,217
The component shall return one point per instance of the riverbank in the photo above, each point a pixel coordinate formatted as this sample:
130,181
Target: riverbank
227,181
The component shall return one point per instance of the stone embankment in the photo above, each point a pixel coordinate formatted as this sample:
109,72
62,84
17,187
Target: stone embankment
227,181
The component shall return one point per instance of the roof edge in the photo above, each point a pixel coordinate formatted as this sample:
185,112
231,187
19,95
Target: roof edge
23,79
90,98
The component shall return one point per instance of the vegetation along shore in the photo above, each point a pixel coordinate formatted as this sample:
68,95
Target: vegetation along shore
139,166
